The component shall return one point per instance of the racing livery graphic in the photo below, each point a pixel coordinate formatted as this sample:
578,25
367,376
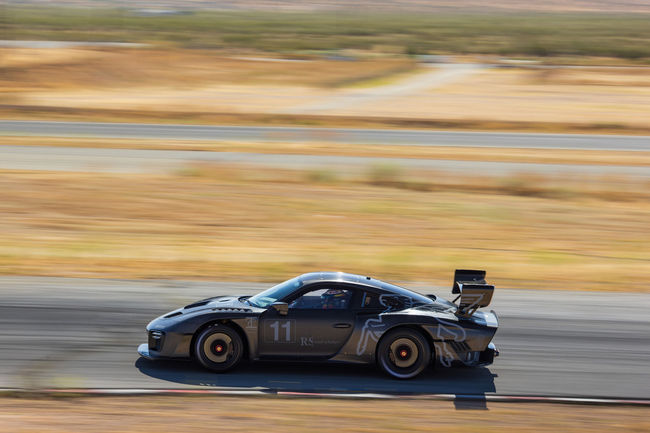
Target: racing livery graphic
334,316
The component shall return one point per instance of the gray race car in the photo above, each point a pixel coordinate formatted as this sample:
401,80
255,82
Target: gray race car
333,316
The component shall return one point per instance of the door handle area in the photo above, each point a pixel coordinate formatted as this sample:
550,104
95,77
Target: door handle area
342,325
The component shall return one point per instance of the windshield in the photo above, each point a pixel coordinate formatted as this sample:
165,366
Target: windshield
269,296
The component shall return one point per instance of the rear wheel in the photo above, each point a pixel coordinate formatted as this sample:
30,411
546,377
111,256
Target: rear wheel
218,348
403,353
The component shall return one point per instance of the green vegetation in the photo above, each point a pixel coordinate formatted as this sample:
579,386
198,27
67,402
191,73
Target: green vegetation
549,34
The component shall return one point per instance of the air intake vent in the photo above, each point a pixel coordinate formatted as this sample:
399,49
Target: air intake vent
197,304
156,340
177,313
240,310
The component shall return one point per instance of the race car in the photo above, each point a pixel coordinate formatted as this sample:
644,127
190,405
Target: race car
334,316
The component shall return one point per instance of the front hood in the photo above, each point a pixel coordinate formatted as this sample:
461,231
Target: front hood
226,304
217,303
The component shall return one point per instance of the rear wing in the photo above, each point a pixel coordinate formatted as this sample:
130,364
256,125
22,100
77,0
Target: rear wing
474,292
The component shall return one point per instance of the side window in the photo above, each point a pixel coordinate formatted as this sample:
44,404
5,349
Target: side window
323,299
370,301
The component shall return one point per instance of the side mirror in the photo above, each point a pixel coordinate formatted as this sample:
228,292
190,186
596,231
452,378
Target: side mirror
281,307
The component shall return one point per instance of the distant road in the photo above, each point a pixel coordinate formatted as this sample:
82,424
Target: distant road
334,135
64,332
431,76
4,43
106,160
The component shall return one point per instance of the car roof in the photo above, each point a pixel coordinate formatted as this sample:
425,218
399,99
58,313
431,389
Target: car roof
343,277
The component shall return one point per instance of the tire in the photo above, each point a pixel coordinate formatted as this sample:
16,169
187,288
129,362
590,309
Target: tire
403,353
218,348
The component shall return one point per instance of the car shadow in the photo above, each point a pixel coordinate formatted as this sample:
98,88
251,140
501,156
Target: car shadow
469,385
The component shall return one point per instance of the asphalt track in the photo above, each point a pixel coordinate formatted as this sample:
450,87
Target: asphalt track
80,333
336,135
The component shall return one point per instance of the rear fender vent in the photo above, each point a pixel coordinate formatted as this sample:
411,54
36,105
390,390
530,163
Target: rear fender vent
460,346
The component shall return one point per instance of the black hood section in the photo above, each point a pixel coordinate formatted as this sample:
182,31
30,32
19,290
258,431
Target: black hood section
229,301
203,302
198,303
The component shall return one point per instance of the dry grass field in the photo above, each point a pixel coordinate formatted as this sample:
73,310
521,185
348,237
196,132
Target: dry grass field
614,96
245,414
208,86
217,222
69,69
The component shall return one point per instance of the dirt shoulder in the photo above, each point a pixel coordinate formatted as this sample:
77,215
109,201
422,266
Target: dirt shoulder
496,154
240,414
86,114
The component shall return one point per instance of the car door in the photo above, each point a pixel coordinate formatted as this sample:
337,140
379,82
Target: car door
317,325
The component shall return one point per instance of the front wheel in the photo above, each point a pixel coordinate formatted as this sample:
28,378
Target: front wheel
218,348
403,353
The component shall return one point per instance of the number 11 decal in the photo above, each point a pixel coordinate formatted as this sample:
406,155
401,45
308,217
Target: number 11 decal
279,331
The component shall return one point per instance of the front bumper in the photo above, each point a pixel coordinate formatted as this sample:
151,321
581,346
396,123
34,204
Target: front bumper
143,350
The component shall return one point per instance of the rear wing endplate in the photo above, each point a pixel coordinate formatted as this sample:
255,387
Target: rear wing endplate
473,291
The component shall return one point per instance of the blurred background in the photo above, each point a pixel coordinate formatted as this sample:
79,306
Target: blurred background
551,215
251,141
